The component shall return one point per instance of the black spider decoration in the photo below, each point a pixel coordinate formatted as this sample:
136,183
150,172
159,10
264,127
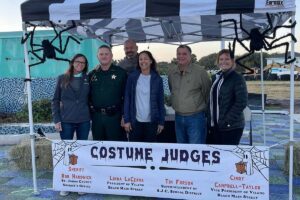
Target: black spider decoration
49,50
259,41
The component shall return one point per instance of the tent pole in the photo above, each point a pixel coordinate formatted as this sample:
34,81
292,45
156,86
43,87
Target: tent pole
292,110
222,44
262,93
29,102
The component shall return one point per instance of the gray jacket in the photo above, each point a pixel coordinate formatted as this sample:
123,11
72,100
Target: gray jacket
129,64
69,105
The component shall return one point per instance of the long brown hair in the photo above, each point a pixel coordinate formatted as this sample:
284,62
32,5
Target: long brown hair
69,74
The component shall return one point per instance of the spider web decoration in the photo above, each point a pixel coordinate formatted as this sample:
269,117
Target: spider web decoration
258,38
58,150
46,49
258,157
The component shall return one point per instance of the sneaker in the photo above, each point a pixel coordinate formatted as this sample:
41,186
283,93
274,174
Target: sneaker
81,193
64,193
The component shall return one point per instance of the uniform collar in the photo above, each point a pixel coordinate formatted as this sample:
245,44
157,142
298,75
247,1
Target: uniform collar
98,68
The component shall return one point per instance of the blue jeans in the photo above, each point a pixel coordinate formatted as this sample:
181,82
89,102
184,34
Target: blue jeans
82,130
191,129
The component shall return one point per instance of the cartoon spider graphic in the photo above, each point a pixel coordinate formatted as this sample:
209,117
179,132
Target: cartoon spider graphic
48,49
258,40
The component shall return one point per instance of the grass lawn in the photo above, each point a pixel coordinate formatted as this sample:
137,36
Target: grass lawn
274,89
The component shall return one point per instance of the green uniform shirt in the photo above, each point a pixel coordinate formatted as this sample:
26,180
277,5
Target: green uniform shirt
107,87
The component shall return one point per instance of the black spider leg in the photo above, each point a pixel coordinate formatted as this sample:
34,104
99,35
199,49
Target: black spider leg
27,35
268,29
33,51
275,29
241,25
237,61
42,59
273,36
286,44
283,26
251,71
270,46
62,50
32,45
236,33
243,29
232,51
250,52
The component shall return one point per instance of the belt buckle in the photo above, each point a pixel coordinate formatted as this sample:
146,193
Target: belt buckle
103,111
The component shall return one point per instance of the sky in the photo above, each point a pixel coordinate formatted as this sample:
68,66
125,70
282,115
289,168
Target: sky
10,20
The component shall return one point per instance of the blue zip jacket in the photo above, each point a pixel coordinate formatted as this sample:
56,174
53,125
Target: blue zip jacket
157,108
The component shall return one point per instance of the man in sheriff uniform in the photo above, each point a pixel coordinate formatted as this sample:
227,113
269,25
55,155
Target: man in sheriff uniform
107,82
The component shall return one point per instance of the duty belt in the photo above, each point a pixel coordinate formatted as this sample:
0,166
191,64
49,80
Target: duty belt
109,110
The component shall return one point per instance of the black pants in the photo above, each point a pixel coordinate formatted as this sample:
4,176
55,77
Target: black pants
107,128
219,137
143,132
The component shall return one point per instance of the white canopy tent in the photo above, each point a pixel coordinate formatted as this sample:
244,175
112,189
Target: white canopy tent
159,21
114,21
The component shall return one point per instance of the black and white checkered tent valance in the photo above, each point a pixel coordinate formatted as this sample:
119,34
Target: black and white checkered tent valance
167,21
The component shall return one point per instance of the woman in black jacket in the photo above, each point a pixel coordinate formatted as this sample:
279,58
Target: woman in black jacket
228,98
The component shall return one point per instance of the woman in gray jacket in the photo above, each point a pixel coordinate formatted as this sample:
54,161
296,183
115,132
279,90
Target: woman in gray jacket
70,108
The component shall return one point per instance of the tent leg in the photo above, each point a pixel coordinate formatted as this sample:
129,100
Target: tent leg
262,93
29,102
292,110
222,44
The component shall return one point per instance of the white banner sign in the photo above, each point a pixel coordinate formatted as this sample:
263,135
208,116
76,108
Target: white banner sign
178,171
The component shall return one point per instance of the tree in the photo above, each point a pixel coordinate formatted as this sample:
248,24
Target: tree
194,58
115,62
209,62
163,67
252,61
174,61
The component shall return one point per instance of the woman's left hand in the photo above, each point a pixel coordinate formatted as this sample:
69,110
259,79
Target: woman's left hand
127,127
159,129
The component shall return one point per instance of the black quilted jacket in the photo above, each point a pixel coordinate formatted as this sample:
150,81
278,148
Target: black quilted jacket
232,99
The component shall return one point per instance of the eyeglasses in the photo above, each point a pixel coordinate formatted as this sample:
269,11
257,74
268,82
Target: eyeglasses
79,62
